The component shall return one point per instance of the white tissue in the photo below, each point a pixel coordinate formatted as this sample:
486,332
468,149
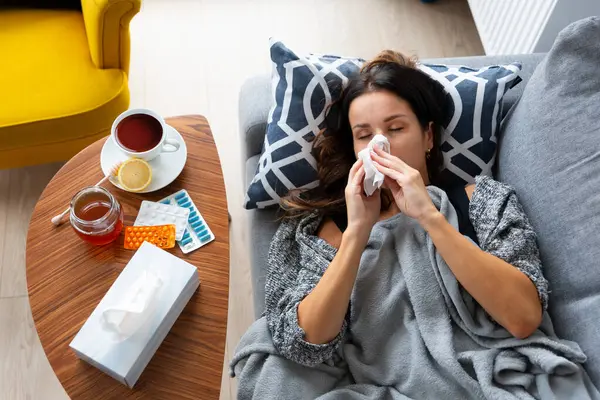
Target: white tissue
135,307
373,178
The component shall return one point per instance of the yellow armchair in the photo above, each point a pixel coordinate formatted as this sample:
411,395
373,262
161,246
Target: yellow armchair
63,78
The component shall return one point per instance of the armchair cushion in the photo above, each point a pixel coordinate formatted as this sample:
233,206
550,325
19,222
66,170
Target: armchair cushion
52,93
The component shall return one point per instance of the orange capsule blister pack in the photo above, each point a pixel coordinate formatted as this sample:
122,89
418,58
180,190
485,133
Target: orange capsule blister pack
162,236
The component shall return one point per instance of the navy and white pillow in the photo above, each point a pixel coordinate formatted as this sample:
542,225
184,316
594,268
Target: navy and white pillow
303,87
470,139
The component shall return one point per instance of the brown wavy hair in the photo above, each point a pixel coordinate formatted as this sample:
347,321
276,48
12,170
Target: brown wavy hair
333,147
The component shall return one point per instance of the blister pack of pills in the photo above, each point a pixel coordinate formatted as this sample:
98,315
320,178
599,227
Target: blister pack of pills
197,233
162,236
152,213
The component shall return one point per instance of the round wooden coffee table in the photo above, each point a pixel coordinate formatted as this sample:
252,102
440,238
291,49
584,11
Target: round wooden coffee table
67,278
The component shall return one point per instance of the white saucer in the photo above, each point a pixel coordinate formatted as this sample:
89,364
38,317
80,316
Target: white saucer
165,168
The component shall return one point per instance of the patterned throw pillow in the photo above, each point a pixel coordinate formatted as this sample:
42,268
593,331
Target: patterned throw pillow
470,139
303,87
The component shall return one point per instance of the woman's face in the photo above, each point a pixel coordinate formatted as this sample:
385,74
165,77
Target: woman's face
387,114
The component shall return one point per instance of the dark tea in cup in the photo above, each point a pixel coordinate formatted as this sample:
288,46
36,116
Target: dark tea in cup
142,133
139,132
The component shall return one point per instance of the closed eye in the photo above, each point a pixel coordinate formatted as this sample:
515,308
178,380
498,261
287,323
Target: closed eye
396,129
364,136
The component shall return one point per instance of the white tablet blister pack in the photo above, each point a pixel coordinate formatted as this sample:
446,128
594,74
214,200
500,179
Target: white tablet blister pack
197,233
151,214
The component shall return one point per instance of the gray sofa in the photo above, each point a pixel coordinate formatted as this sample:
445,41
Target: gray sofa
255,102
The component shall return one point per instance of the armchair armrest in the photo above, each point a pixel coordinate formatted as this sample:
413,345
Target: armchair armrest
107,28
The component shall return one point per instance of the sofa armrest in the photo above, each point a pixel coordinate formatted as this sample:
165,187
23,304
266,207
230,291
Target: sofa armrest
107,28
255,102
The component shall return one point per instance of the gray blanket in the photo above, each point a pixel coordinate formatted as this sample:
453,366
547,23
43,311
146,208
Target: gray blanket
415,333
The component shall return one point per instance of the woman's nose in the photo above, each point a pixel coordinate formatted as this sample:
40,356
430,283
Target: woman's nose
381,132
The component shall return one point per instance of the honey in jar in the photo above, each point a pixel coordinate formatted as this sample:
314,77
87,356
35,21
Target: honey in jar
96,216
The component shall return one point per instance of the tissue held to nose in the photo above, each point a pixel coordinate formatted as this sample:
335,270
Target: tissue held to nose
373,178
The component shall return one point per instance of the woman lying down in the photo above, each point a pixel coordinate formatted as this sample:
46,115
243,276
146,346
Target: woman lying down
412,292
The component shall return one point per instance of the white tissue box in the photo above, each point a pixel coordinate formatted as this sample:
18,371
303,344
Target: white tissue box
153,289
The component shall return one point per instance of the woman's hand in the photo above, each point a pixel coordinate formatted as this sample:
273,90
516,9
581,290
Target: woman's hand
363,210
406,184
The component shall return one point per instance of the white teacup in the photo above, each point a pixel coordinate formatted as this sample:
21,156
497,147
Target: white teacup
119,134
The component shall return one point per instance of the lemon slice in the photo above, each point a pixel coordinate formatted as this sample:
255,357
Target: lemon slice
135,175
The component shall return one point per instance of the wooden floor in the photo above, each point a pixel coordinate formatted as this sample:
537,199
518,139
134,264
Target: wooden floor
191,57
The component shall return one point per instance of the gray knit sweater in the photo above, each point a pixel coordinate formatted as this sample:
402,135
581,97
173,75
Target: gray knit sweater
499,221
